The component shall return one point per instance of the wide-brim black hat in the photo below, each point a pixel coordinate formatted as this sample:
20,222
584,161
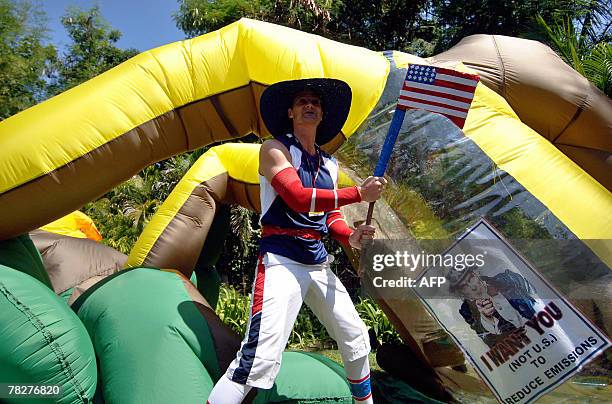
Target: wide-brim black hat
335,98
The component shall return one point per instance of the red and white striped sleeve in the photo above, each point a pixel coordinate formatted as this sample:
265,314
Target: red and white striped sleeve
338,228
288,185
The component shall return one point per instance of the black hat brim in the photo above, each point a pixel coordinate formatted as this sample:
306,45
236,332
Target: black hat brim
335,98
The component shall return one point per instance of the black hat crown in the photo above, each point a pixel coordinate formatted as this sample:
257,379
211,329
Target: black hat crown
335,96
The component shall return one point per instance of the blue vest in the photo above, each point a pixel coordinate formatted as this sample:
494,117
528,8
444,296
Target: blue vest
275,212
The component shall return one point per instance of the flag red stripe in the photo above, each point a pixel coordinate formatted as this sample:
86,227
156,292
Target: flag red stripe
437,104
458,80
432,98
445,90
456,86
438,94
450,72
433,108
457,121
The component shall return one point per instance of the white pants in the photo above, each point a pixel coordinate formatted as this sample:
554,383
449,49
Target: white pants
279,288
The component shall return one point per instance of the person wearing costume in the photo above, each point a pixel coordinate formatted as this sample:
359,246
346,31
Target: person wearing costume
300,203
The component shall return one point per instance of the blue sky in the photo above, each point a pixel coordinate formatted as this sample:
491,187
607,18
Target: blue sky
144,24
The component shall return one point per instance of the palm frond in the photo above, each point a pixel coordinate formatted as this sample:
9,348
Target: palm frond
564,41
598,67
240,225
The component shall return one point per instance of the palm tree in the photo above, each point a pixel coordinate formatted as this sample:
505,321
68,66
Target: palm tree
598,67
587,50
240,225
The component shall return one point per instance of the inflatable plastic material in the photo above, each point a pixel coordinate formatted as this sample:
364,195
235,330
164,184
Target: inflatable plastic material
42,340
307,378
145,322
156,325
205,102
550,97
76,224
21,254
70,262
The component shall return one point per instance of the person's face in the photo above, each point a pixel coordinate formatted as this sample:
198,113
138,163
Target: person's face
473,287
306,109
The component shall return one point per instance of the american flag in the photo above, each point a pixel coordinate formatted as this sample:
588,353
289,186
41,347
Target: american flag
436,89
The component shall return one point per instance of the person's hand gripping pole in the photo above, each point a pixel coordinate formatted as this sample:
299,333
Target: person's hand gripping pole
370,191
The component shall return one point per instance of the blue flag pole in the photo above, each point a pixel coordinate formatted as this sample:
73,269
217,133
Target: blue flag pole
387,150
438,81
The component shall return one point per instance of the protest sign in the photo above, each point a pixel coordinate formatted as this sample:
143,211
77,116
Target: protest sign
522,336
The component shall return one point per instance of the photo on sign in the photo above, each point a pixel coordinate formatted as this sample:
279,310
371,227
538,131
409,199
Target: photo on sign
522,336
495,301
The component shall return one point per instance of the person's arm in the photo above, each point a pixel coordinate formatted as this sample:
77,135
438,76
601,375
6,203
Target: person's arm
274,165
301,199
338,228
345,235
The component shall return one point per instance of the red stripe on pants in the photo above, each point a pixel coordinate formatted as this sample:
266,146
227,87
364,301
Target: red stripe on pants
358,381
259,287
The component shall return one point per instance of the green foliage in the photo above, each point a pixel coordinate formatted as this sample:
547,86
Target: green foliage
196,17
387,24
377,322
92,51
122,214
308,332
238,259
598,67
24,58
382,24
458,19
241,224
588,50
565,41
516,225
117,229
233,309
